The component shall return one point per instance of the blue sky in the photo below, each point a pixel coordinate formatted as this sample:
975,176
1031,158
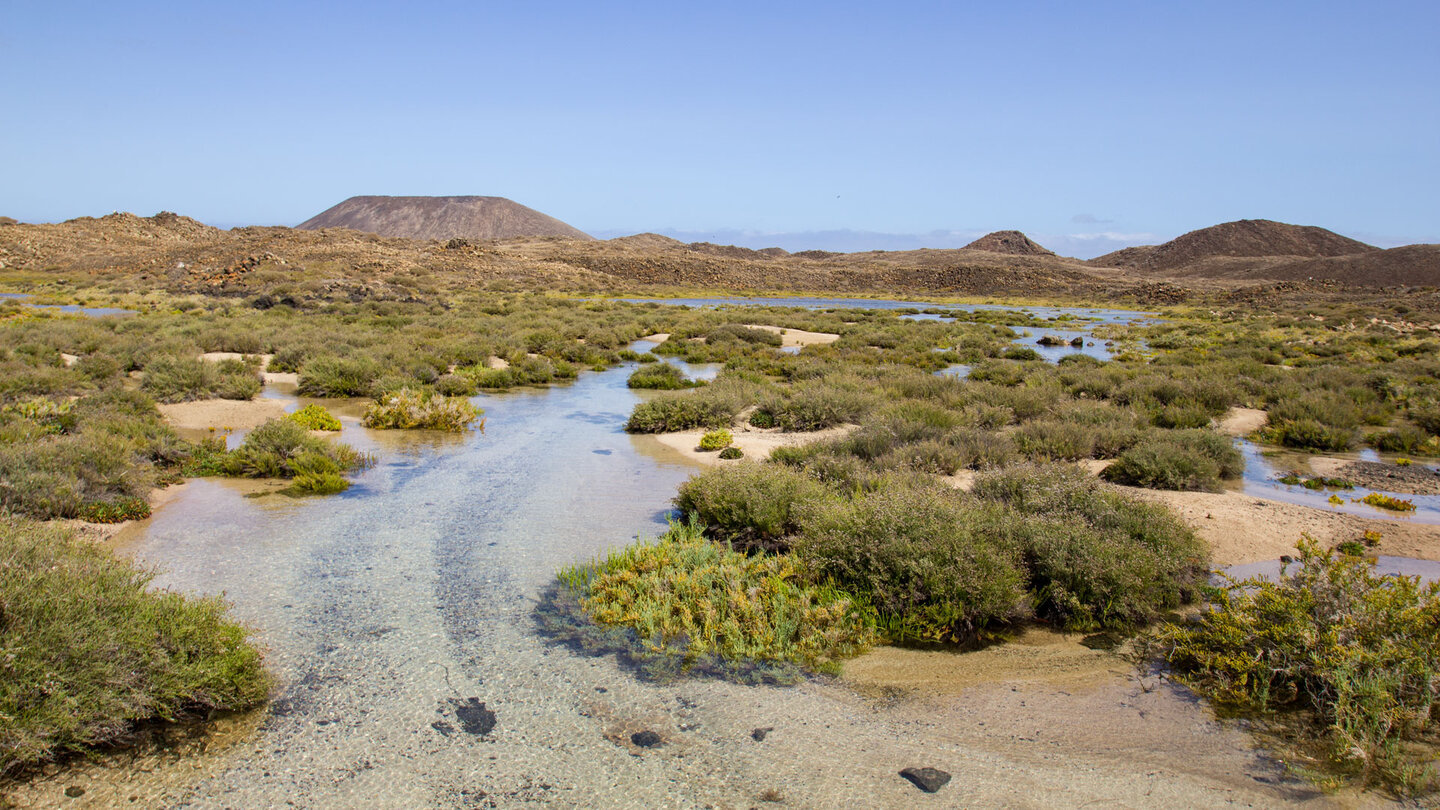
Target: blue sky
840,125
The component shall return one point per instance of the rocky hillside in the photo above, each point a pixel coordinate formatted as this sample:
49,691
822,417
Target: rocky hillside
441,218
1011,243
1246,238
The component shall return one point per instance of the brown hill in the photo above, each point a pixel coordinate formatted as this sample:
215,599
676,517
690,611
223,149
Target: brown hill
1246,238
441,218
1011,243
1411,265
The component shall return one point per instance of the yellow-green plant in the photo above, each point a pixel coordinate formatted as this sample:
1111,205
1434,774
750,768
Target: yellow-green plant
315,417
417,409
686,595
717,439
1357,653
1380,500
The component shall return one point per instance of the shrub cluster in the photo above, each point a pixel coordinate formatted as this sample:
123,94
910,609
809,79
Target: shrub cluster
1355,651
282,449
408,409
688,598
89,649
182,379
315,417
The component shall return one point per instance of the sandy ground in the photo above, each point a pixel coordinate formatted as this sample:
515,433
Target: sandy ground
797,337
755,443
658,337
69,359
497,362
1242,421
235,414
1243,529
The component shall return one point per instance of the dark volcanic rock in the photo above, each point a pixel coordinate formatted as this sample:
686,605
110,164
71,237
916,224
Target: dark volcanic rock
646,739
927,779
473,716
759,734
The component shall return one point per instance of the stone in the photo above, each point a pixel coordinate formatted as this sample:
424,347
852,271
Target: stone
759,734
646,739
927,779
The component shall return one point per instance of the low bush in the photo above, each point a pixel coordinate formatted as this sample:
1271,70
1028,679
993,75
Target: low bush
1095,557
412,409
315,417
337,377
1308,434
89,649
669,414
1355,652
282,449
1178,460
182,379
933,567
732,453
1055,441
751,505
717,439
659,376
686,599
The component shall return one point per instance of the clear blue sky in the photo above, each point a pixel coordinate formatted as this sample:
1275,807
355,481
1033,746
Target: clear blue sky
1087,124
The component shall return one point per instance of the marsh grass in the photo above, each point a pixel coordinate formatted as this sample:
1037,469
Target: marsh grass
690,604
182,379
660,377
89,650
1178,460
281,448
1346,658
417,409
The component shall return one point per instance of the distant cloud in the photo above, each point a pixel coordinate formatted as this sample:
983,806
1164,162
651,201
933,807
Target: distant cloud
1089,219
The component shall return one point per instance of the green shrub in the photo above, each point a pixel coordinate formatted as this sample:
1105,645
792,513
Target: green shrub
732,453
934,567
116,511
1427,417
751,504
1055,441
1095,557
1022,353
315,417
1178,460
1404,439
686,599
717,439
182,379
282,449
337,377
90,650
1308,434
684,412
1355,652
409,409
659,376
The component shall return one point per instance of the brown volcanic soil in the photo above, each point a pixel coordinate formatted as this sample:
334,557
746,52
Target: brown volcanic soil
1013,243
1247,238
1260,250
441,218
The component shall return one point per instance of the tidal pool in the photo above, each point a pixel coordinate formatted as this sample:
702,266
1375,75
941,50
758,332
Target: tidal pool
399,621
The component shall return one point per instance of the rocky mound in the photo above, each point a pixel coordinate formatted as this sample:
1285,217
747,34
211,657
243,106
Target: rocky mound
1246,238
441,218
1411,265
1011,243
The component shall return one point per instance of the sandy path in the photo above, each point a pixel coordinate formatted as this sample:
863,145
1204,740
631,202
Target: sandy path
1241,529
1242,421
756,444
203,414
797,337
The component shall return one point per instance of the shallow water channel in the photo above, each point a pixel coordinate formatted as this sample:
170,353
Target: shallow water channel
398,619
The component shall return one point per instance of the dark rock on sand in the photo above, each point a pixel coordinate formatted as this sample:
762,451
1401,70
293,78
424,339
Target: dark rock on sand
927,779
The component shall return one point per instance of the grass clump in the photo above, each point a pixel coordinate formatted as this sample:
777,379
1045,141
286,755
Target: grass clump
1178,460
281,448
417,409
182,379
1347,659
717,439
660,377
689,600
732,453
933,568
751,504
89,650
315,417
